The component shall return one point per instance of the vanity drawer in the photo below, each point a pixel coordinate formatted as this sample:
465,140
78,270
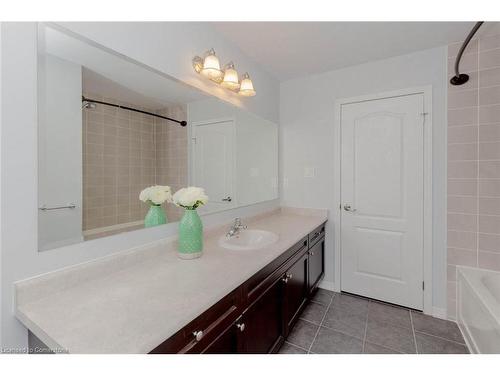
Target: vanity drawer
205,329
316,235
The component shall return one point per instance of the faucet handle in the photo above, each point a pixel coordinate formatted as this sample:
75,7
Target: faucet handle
237,221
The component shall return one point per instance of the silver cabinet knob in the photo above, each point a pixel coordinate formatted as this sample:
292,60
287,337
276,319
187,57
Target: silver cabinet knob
349,208
287,277
241,326
311,253
198,335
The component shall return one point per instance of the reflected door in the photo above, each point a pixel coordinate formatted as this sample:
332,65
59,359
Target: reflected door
382,199
213,163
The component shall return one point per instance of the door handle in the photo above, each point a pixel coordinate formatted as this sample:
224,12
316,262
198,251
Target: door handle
349,209
228,199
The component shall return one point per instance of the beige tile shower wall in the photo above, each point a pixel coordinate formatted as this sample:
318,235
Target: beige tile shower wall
474,161
172,154
124,152
118,162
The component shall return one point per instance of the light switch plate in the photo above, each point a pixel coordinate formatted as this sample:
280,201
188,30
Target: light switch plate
309,172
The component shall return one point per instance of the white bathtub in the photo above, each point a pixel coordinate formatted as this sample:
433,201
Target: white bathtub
478,308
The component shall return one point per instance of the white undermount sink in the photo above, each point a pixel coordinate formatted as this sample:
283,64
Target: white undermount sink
249,239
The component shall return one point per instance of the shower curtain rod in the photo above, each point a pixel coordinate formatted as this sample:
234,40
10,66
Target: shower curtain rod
460,79
84,99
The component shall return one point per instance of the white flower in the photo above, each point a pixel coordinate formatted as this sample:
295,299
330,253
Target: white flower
191,197
156,194
144,195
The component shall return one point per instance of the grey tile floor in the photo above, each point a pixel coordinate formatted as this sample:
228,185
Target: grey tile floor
342,323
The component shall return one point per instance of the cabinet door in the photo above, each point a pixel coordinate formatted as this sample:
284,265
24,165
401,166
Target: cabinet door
263,321
229,341
316,264
296,291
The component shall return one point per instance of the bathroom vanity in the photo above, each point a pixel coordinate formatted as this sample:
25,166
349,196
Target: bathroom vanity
258,315
146,300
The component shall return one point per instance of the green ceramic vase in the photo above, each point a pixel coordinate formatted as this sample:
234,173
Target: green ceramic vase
190,235
155,216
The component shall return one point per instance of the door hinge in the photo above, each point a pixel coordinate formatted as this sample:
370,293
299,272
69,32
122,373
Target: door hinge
423,285
194,140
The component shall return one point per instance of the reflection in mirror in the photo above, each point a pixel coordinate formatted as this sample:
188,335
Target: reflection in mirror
234,155
109,127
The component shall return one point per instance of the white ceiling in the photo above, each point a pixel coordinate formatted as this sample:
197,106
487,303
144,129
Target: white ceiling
293,49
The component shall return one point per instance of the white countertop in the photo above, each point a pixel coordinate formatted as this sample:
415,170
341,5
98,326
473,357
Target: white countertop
133,301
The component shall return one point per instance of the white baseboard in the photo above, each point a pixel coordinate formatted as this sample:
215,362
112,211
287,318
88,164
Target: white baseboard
328,285
439,312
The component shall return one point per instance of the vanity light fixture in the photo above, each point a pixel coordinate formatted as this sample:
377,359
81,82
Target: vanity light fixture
209,66
246,87
231,80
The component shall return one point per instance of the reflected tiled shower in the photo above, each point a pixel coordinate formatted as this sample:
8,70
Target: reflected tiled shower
124,152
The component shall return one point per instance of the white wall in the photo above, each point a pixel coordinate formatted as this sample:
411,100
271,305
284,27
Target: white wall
306,138
60,151
152,44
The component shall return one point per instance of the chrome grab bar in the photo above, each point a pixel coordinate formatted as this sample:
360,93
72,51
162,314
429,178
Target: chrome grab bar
45,208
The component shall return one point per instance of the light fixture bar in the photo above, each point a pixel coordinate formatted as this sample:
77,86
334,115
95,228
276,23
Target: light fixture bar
208,65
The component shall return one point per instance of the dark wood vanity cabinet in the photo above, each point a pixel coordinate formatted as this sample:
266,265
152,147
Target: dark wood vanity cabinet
316,267
264,331
296,290
257,316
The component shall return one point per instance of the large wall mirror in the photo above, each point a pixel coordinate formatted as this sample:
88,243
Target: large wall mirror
109,127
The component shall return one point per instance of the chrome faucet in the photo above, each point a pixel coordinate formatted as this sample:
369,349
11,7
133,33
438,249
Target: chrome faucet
235,228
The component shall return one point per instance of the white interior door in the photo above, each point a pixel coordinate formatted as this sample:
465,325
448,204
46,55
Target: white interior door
382,199
213,163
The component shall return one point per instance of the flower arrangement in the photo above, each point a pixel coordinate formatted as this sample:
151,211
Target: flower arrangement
156,195
190,198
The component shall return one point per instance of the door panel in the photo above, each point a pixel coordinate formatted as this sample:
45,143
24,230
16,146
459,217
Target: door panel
377,152
296,290
213,163
316,264
382,187
264,321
